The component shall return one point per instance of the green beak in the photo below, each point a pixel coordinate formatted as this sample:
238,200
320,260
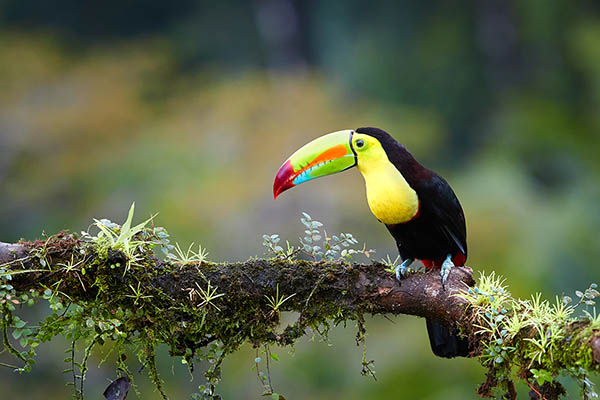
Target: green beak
323,156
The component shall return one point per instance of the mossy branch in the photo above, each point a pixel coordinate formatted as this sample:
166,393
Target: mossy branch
189,306
321,290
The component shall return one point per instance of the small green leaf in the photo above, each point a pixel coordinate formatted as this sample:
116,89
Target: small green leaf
542,376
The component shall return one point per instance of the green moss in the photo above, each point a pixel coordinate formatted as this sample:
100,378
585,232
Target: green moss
129,297
530,339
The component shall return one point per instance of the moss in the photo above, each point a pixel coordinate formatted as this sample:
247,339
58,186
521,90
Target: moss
533,340
205,311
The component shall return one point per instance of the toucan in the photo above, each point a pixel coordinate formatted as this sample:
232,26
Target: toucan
418,206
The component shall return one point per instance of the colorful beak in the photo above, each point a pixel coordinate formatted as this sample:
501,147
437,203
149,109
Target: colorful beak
323,156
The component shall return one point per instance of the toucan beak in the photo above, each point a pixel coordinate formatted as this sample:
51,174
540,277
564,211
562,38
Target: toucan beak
323,156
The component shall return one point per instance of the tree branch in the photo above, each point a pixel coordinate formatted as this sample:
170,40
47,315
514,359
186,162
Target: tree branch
350,287
193,305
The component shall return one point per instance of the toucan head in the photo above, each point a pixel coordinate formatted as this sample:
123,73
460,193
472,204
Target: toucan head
332,153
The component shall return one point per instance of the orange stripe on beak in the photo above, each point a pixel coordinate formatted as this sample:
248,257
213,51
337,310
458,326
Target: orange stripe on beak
329,154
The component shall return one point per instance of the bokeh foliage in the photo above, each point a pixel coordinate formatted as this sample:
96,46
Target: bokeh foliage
189,109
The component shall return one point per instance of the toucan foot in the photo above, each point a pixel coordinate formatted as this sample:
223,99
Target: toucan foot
447,265
402,268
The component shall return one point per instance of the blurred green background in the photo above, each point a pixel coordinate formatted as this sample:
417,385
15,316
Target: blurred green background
188,108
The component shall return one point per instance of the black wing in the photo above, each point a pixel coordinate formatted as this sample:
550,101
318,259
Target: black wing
439,201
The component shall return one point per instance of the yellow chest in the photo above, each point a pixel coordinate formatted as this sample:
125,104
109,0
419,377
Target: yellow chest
390,197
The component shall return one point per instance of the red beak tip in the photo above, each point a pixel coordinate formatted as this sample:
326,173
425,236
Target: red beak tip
282,181
277,190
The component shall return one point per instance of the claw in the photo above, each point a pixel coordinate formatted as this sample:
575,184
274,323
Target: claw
447,265
401,269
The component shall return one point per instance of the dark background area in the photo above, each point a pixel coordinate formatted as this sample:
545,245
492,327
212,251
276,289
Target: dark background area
188,108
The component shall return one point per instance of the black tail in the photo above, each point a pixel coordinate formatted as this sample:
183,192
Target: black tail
444,343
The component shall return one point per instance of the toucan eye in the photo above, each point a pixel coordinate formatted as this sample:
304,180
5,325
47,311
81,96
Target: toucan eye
360,143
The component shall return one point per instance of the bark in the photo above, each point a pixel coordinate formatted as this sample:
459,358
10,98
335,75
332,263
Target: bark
366,288
319,292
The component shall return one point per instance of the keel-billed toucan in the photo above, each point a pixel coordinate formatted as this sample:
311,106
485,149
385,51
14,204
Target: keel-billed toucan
417,205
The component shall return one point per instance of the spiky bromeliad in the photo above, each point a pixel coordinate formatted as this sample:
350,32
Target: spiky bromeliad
417,205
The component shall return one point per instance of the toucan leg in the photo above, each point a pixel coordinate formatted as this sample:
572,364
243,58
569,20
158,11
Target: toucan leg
445,270
401,269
